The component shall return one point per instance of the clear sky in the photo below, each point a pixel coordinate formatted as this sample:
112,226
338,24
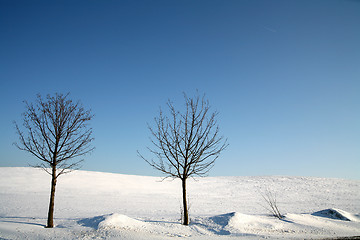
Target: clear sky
284,76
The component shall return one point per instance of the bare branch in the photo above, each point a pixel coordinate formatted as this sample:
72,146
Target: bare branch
56,131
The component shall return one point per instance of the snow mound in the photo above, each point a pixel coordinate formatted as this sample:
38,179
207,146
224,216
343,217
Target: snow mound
242,221
116,220
236,222
337,214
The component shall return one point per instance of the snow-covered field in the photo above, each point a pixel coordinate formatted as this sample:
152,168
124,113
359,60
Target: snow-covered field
94,205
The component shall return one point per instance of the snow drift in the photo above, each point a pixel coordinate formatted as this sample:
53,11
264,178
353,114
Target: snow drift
114,220
338,214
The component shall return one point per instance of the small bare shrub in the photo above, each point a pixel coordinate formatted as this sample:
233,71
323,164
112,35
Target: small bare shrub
271,204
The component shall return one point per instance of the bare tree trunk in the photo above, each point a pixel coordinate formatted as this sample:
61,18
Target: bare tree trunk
50,221
186,213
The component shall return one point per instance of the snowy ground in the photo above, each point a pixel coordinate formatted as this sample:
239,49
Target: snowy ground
94,205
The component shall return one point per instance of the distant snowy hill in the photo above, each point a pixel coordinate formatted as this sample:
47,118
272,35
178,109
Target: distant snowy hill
95,205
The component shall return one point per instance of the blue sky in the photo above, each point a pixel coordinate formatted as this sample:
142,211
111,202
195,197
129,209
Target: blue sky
284,76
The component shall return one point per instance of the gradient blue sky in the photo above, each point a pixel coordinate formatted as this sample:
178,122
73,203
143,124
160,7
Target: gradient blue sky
284,75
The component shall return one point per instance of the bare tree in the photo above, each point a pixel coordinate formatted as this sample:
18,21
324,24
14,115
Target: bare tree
186,144
56,132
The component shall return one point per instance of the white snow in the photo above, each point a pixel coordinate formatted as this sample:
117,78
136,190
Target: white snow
94,205
116,220
338,214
